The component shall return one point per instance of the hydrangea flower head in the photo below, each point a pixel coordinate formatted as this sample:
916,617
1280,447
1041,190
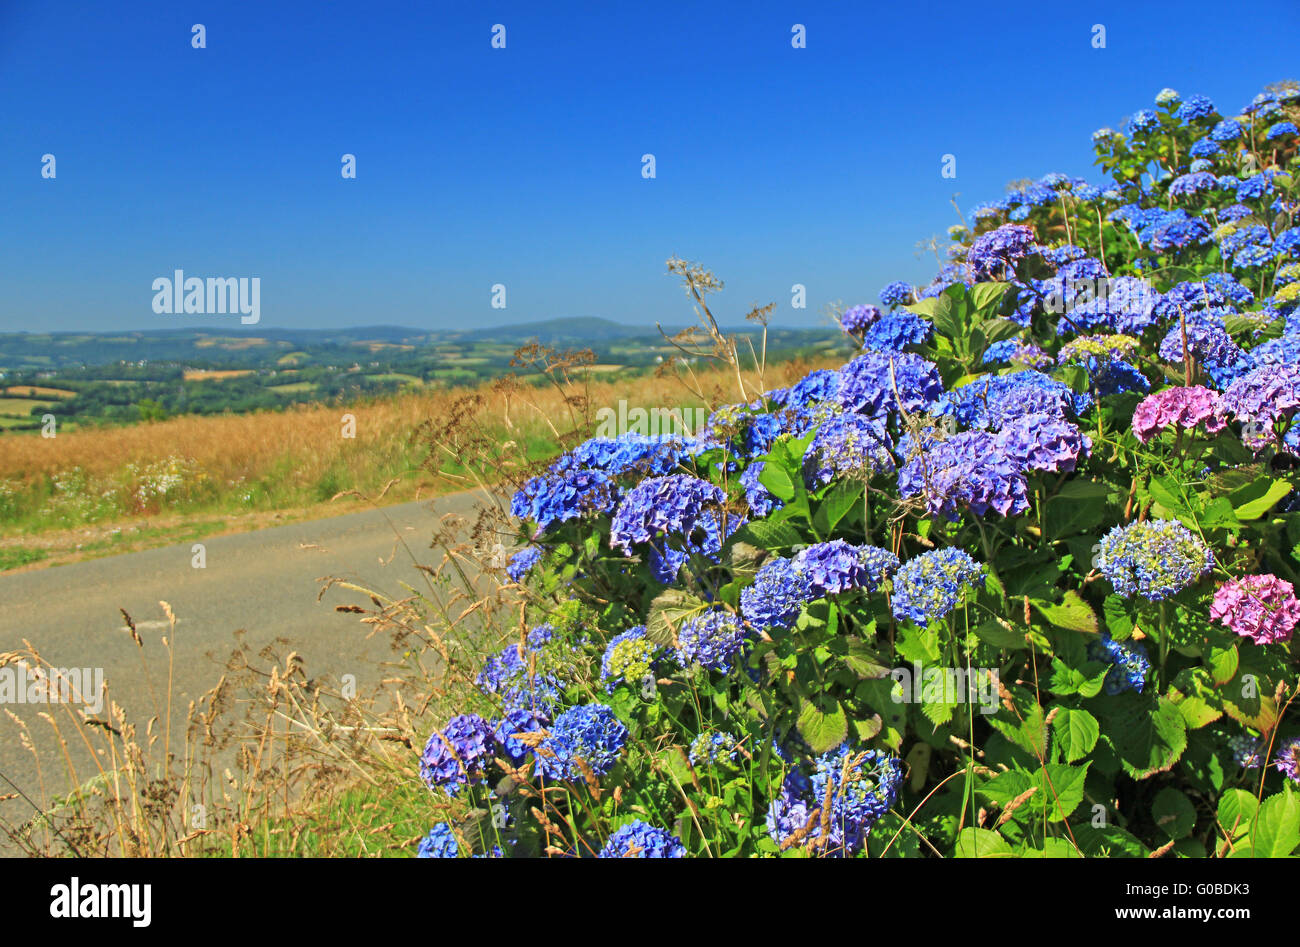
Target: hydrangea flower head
931,585
1269,393
896,331
458,753
848,445
439,843
1178,407
994,255
1128,660
522,562
1262,608
712,639
1287,759
967,470
628,658
642,840
662,507
897,293
850,790
708,748
837,566
1154,559
878,383
858,319
1246,751
1042,442
778,593
585,738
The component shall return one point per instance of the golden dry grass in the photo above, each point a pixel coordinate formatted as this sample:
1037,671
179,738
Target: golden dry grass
212,374
307,440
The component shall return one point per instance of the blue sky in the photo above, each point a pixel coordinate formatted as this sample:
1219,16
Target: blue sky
522,166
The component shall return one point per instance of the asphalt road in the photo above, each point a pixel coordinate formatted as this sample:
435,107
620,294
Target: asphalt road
264,582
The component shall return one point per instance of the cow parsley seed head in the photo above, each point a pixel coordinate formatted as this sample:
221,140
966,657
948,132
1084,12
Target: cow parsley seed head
1154,559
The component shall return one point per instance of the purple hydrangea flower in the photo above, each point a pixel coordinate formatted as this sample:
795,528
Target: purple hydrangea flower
967,470
879,383
661,507
458,753
712,639
642,840
1262,608
1042,442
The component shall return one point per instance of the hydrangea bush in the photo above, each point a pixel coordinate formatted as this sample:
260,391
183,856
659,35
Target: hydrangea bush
1063,473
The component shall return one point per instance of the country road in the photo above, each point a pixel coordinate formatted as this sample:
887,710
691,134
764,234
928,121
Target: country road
264,582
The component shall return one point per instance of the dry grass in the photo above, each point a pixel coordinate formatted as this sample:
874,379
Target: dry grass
306,442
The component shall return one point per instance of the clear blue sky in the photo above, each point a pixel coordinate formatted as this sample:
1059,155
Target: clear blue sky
522,166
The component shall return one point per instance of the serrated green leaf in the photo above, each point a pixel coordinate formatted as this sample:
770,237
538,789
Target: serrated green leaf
1174,813
822,730
667,612
1076,732
1073,614
1275,832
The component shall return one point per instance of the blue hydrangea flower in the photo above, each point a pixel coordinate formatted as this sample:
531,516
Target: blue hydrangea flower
877,383
857,319
930,585
1042,442
712,639
965,471
641,840
628,658
994,255
1154,559
1142,121
1225,130
1188,185
1194,108
522,562
458,753
858,786
760,499
514,721
1205,149
993,401
848,445
662,507
708,748
1128,660
589,737
557,497
439,843
896,331
777,595
838,566
1281,129
1246,751
897,293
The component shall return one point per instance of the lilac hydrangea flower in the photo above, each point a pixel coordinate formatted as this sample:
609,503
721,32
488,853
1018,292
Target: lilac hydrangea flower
858,319
1178,407
1042,442
662,507
967,470
712,639
458,753
994,255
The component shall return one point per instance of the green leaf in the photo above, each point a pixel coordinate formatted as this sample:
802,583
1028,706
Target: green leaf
1061,789
669,609
981,843
822,730
1174,813
1236,812
1255,499
777,480
987,296
842,497
1276,829
1001,634
1073,614
1167,492
1076,732
863,660
1148,740
769,534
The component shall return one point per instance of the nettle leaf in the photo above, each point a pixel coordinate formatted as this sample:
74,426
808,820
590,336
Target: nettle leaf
822,730
1255,499
1001,634
1073,614
975,842
668,610
1076,732
862,659
1118,621
1174,813
1149,739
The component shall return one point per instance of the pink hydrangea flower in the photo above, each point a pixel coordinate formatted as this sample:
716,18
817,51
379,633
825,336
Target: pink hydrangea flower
1185,407
1262,608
